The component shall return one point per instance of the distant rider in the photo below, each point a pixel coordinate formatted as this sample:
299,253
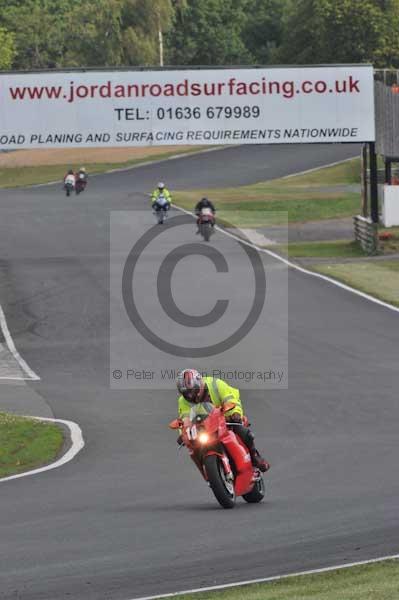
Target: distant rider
159,192
195,388
82,174
70,178
204,203
81,180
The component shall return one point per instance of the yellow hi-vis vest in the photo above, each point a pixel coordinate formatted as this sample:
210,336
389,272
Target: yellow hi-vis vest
220,393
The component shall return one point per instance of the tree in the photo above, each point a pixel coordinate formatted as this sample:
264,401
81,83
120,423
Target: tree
263,30
143,22
208,32
332,31
64,33
387,54
93,34
7,48
35,32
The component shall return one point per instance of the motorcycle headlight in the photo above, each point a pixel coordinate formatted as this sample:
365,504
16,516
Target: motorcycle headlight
203,438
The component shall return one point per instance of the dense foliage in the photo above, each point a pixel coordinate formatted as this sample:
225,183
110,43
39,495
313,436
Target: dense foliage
37,34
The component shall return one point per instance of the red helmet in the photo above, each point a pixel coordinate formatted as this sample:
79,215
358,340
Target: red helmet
191,385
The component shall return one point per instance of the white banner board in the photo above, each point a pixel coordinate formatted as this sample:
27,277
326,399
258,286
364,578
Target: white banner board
219,106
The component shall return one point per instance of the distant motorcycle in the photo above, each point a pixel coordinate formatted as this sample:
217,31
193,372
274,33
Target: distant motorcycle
160,208
69,184
220,455
206,222
81,183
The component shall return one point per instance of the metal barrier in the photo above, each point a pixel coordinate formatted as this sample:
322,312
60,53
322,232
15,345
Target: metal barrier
387,119
381,174
366,233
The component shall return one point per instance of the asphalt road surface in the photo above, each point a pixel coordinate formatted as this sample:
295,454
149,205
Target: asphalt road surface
130,516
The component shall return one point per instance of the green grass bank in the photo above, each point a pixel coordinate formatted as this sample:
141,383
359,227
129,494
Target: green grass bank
377,581
26,444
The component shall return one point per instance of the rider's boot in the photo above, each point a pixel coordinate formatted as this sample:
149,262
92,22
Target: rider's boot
249,440
258,461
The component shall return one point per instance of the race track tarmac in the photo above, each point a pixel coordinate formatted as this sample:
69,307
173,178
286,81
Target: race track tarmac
130,516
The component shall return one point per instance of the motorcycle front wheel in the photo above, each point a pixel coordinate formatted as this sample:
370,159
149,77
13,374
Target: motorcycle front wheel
222,487
257,493
206,231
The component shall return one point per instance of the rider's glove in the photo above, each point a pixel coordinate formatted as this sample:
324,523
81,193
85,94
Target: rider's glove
179,440
235,418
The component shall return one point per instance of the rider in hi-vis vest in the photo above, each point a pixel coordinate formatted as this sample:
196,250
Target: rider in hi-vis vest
195,388
161,191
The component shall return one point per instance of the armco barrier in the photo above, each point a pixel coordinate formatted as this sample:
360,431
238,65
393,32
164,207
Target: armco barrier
366,233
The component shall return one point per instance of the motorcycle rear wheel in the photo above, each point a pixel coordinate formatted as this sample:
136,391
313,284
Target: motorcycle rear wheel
221,487
257,493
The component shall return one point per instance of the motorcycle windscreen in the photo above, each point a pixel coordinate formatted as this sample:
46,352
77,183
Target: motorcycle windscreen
162,201
201,411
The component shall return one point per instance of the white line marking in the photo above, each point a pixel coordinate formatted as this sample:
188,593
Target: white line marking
256,237
302,269
31,375
77,443
160,160
137,166
186,155
271,579
333,164
15,378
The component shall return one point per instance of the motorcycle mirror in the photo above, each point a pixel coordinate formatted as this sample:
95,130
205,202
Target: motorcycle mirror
228,406
175,424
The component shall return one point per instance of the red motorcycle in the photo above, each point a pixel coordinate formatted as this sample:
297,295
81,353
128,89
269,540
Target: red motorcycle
220,455
206,222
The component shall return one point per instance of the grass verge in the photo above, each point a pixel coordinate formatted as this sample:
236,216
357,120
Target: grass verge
309,197
333,249
24,176
347,172
26,443
377,581
379,278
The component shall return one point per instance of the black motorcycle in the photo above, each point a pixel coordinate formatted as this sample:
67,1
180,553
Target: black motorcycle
81,183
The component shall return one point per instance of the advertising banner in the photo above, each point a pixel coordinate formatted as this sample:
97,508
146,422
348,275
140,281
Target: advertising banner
166,107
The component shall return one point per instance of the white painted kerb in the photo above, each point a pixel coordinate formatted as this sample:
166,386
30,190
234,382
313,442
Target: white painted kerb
77,443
